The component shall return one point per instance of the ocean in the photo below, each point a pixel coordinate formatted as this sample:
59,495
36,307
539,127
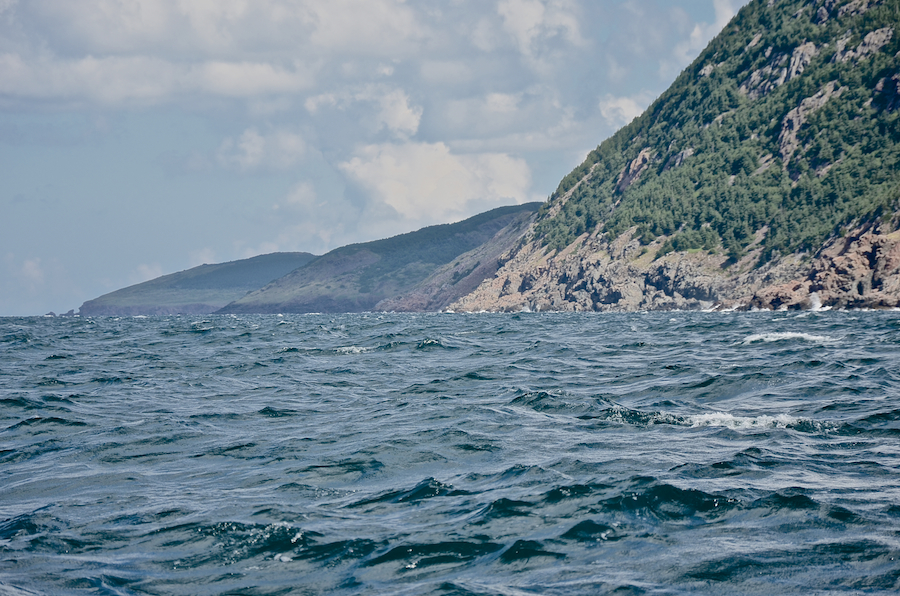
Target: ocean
451,454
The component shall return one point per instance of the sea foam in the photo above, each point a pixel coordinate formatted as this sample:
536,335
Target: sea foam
730,421
785,336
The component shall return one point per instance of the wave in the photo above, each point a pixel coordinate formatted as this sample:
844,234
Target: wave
427,489
353,350
787,336
726,420
714,419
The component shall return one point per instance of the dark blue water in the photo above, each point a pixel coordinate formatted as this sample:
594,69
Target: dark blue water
753,453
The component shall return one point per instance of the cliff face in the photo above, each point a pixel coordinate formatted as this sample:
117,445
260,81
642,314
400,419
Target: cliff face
859,270
767,176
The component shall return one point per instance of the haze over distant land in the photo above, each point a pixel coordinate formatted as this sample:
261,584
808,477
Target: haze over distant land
148,137
199,290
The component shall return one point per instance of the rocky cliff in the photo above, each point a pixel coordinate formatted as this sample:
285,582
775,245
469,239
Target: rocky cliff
859,270
767,176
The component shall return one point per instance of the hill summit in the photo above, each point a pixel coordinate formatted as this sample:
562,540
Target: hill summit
765,176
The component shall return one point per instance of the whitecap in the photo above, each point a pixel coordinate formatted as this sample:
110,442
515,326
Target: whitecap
353,350
730,421
786,335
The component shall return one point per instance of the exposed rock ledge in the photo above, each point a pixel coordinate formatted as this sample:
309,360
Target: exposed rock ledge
861,269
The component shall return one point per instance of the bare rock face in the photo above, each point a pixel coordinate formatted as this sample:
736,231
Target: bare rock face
873,42
595,274
859,270
678,159
800,59
794,119
766,79
887,93
634,169
780,69
856,7
852,8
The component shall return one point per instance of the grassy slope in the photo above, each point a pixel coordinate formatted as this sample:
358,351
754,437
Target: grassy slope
357,277
197,290
846,168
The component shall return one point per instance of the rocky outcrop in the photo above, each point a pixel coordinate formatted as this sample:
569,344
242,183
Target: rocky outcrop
856,7
860,270
887,93
800,59
794,119
634,169
873,42
780,69
622,275
678,159
764,80
853,8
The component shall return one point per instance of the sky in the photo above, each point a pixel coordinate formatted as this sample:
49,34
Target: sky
144,137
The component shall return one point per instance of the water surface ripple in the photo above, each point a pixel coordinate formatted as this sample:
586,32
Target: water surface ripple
449,454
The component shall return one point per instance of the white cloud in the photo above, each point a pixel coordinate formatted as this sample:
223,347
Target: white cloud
376,27
36,284
278,150
247,79
531,22
216,27
685,51
426,182
115,79
619,111
390,108
503,103
484,35
28,274
397,115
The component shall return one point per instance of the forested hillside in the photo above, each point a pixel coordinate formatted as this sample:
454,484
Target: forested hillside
786,124
766,175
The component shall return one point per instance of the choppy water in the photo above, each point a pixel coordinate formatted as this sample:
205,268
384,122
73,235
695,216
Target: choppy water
754,453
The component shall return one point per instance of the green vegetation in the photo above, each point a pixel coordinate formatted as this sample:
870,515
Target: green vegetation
199,290
432,246
717,174
357,277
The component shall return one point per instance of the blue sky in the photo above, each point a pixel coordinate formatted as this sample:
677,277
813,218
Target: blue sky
145,137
